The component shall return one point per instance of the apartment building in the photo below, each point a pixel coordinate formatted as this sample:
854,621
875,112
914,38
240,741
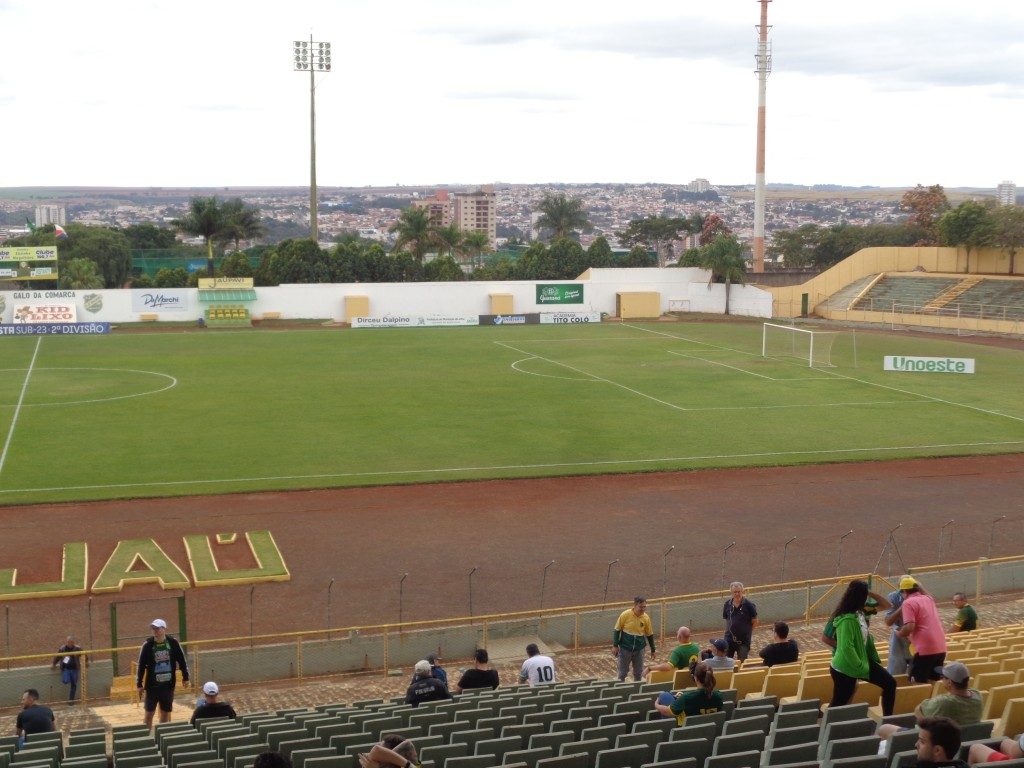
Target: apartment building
439,208
51,214
1006,193
477,212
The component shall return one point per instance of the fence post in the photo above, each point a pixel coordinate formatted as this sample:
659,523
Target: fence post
807,603
576,634
298,657
83,679
979,582
487,623
196,675
387,650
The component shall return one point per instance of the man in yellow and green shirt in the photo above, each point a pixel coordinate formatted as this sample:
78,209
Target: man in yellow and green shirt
633,631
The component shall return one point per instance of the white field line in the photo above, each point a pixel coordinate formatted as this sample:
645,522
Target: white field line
952,403
751,373
503,467
515,367
591,375
17,408
174,383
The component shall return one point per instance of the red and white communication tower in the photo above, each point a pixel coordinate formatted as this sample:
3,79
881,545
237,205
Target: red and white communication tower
764,67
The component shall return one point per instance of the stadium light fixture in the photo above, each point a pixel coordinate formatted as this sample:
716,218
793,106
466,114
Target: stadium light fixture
992,535
942,532
724,553
839,556
471,591
607,578
313,57
785,549
543,583
664,570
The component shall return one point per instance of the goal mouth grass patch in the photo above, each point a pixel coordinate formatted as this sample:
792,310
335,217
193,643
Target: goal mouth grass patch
184,414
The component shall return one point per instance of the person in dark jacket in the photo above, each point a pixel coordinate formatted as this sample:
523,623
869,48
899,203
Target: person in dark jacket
425,687
70,661
159,660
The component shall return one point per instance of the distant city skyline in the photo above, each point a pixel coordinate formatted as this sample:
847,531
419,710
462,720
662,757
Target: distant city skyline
455,92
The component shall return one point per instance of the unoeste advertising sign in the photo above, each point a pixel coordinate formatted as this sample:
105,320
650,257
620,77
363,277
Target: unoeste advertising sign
928,364
28,263
559,293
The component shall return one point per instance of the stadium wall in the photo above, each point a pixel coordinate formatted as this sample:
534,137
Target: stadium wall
327,300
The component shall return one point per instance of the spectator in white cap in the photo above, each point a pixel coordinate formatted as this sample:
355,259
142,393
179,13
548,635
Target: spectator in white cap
959,703
211,707
159,660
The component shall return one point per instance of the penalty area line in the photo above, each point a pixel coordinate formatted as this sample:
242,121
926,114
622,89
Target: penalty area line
505,467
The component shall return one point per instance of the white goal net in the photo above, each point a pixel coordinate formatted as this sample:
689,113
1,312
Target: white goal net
813,347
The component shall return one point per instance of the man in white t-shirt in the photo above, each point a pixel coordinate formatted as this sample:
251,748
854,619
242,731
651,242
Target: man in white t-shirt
537,669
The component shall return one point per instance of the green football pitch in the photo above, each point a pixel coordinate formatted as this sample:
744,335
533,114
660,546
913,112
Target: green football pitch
173,414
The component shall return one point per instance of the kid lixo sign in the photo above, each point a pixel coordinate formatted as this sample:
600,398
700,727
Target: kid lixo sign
142,561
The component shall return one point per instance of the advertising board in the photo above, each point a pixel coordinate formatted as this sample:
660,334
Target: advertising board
566,318
28,263
907,363
559,293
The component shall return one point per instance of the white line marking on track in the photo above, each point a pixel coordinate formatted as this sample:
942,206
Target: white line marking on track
17,408
500,467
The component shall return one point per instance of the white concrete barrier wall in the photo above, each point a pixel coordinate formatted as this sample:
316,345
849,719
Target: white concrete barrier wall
327,300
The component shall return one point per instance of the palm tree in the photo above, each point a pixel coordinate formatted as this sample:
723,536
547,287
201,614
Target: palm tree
723,257
562,215
448,239
474,244
241,222
415,231
204,218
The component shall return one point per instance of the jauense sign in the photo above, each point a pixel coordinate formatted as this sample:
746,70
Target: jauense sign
559,293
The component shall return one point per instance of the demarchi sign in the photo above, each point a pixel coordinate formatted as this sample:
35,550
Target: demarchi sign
928,364
143,561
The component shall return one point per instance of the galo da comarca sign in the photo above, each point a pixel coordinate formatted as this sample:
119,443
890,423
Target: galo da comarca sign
142,561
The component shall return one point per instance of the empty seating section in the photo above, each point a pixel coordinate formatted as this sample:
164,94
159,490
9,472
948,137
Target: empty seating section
967,295
227,314
777,717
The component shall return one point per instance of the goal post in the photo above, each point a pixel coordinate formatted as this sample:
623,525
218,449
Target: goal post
803,344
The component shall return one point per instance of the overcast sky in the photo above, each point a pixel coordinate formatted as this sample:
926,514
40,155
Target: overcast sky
189,93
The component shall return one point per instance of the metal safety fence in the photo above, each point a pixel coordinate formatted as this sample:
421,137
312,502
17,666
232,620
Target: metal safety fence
381,648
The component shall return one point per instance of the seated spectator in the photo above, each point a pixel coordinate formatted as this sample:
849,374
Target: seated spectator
1009,749
392,750
33,718
683,656
425,687
480,676
211,707
718,660
782,650
436,669
938,743
538,669
693,701
966,617
959,703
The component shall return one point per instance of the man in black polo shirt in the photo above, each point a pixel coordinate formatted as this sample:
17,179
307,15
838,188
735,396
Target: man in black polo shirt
33,718
740,619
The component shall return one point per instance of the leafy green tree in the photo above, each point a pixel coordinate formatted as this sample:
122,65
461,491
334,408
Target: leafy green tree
795,247
599,254
968,225
562,215
298,261
639,256
109,249
142,281
723,257
566,260
79,275
1008,231
443,269
241,222
171,278
656,232
205,218
415,233
691,258
236,264
144,237
535,263
925,205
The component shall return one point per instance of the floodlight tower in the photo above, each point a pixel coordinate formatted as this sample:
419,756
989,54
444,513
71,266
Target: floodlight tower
315,57
764,67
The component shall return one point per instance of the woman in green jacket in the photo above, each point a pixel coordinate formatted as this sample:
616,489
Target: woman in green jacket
855,657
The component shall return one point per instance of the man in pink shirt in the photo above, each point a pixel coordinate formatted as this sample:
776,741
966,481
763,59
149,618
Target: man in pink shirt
922,625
